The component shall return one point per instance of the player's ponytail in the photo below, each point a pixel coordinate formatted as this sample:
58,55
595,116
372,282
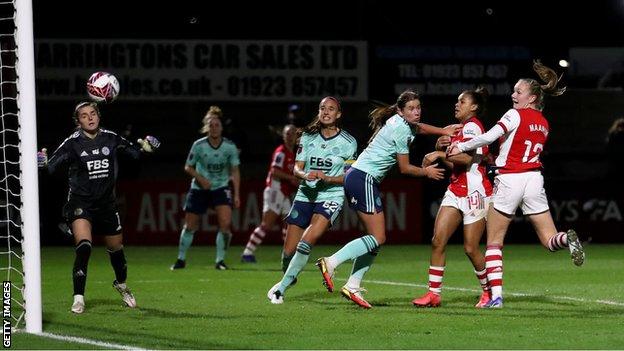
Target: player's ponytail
313,127
383,112
548,76
379,116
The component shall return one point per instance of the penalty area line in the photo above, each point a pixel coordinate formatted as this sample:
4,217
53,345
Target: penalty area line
86,341
554,297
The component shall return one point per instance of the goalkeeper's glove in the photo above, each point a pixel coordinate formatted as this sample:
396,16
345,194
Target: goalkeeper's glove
42,158
149,144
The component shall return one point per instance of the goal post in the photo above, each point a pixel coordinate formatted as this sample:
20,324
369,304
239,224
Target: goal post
26,103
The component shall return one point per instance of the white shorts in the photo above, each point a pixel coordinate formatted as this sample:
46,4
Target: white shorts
274,200
473,207
520,189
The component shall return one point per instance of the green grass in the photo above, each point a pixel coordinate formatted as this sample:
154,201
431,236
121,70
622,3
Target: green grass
549,303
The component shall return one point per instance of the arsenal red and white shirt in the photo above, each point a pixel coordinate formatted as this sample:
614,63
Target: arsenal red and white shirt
466,180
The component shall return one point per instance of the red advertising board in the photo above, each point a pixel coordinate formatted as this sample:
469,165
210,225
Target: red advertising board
152,214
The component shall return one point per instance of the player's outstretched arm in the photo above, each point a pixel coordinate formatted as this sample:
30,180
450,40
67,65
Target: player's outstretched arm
487,138
406,167
57,162
428,129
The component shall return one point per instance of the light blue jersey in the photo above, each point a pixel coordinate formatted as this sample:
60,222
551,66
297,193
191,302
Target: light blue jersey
379,156
213,163
328,155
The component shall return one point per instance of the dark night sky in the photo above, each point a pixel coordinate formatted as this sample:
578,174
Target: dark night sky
531,23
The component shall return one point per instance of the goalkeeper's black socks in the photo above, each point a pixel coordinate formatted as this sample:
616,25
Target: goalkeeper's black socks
118,261
83,252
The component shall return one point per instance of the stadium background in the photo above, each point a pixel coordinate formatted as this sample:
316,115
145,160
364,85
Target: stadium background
398,44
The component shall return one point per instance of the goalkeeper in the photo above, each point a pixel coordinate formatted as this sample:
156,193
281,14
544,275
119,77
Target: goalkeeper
89,156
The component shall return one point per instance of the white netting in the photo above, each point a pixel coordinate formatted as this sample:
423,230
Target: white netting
11,265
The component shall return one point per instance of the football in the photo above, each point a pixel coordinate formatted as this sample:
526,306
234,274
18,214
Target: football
102,87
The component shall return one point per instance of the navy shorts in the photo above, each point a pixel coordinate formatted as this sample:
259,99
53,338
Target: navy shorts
103,215
301,212
362,191
199,200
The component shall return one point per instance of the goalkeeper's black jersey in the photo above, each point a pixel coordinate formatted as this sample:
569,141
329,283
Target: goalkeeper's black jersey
92,163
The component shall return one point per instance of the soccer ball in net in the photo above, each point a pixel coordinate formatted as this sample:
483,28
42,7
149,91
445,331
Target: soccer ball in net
102,87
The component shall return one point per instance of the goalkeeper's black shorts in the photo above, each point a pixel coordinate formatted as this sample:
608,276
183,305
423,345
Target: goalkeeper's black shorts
103,215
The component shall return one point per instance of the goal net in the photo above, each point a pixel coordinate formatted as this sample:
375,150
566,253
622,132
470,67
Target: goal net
19,203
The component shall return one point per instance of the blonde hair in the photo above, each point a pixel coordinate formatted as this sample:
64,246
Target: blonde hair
548,76
214,112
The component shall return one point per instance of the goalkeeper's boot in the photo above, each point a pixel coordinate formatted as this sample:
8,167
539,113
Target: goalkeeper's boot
126,295
79,305
275,296
484,299
321,263
221,266
355,295
248,259
430,299
179,264
576,249
495,303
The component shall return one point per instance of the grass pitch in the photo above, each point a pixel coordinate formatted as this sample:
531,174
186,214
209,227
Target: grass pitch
549,303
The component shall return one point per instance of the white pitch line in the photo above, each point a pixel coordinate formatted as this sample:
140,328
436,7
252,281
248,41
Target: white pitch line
384,282
554,297
106,345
